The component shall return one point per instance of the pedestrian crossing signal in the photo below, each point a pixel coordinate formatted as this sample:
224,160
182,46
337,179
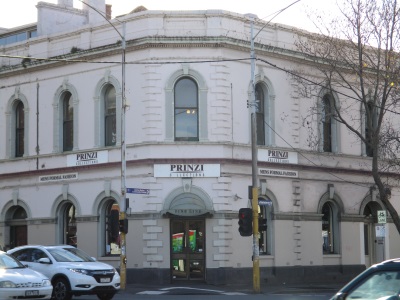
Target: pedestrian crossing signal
245,221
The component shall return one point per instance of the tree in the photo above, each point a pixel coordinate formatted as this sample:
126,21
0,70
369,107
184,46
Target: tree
356,57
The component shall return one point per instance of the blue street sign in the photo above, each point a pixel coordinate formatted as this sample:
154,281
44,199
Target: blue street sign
138,191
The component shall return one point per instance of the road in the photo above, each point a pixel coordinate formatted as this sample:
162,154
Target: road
174,293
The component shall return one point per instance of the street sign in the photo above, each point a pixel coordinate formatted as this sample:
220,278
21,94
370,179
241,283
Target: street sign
138,191
381,216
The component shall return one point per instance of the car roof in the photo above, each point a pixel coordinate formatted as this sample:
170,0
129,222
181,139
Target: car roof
41,246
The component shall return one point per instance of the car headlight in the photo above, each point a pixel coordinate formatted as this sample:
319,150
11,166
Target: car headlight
7,284
46,282
80,271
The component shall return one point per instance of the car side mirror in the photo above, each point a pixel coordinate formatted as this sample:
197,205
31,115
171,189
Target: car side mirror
44,260
94,258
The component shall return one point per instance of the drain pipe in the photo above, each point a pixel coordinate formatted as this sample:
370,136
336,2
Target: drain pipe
37,126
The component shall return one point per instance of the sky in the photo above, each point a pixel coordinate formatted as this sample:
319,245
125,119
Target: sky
20,12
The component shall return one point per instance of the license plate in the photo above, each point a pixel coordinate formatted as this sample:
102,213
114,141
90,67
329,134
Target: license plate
105,279
31,293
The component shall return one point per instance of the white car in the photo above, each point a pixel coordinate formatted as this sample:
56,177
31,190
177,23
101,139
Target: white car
19,282
71,271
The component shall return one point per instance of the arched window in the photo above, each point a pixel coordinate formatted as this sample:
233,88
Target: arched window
68,122
112,234
16,219
370,125
330,228
265,210
260,102
69,225
110,117
19,129
186,117
326,119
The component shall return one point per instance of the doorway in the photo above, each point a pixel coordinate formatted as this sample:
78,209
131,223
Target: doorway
188,249
373,241
18,227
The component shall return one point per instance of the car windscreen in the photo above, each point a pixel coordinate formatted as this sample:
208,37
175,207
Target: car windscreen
9,262
69,255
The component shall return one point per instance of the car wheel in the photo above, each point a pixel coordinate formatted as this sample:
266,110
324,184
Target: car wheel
105,296
61,289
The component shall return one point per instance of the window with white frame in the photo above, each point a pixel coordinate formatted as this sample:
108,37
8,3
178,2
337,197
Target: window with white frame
265,106
330,228
326,119
111,228
110,116
186,110
328,126
260,103
370,125
265,210
17,133
68,121
196,84
19,129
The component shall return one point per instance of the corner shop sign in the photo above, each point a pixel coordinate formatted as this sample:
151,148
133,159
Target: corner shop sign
187,170
277,156
87,158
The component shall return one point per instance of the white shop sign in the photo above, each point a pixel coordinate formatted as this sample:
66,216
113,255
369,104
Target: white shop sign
87,158
58,177
278,173
187,170
277,156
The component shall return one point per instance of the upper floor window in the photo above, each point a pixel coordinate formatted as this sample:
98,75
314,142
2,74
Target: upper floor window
186,110
371,123
110,117
19,129
260,102
326,119
68,122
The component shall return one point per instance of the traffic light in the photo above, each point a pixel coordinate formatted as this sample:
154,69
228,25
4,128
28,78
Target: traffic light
262,225
113,220
123,225
245,221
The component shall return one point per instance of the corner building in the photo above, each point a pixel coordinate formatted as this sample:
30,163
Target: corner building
188,149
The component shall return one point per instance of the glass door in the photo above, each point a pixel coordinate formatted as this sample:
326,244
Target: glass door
187,249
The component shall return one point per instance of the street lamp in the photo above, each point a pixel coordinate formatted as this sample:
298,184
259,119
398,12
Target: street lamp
254,152
122,204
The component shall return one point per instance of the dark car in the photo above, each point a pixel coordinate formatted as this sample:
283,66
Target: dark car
379,282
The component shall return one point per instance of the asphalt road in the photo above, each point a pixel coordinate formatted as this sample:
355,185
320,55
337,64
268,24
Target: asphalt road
220,293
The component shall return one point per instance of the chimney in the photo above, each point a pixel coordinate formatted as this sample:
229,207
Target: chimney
94,14
108,11
66,3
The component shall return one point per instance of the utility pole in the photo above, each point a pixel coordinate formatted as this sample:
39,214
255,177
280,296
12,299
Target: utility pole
122,204
123,259
254,155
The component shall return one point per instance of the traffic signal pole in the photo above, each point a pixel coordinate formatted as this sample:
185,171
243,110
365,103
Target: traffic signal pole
254,154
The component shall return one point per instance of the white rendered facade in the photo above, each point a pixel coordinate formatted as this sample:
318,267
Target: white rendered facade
43,183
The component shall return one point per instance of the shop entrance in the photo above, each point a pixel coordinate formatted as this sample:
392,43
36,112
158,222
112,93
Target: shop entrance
188,249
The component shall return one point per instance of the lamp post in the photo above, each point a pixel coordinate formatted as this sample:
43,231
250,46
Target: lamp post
254,151
122,203
254,155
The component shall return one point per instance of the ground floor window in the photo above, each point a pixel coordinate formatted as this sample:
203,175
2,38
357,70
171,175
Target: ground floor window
265,209
112,234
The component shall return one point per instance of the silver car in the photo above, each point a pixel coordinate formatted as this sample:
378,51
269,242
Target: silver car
19,282
71,271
